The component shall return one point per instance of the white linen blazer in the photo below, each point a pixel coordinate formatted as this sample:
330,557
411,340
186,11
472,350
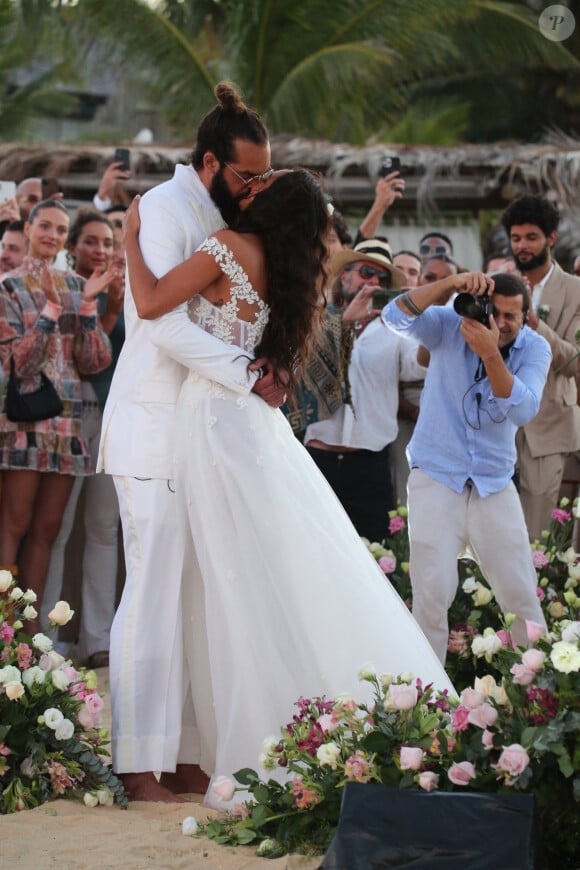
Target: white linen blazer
138,419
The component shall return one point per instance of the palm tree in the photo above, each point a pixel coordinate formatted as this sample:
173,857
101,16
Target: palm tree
337,69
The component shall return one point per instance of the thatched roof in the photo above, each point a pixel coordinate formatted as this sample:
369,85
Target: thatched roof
467,177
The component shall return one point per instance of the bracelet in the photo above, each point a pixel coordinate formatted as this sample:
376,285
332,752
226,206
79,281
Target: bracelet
411,305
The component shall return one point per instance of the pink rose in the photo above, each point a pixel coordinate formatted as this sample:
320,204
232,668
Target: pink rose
483,716
534,630
540,594
471,698
411,757
428,780
461,773
534,659
85,719
514,759
487,739
328,723
387,564
505,637
523,676
223,787
460,719
561,516
396,524
6,632
403,697
94,703
539,559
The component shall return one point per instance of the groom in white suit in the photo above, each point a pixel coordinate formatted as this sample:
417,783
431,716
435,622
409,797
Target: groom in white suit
153,722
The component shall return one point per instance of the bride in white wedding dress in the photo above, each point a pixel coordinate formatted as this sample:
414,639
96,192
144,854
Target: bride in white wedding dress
288,601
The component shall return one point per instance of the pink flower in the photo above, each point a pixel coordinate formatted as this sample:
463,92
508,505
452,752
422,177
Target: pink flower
304,797
411,757
471,698
328,723
403,697
460,719
6,633
396,524
357,767
506,638
514,759
539,559
561,516
534,659
85,719
461,773
534,630
240,811
23,656
387,564
223,788
540,594
428,780
483,716
487,739
523,676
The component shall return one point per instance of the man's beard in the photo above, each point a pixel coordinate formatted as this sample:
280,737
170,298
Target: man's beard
220,193
534,262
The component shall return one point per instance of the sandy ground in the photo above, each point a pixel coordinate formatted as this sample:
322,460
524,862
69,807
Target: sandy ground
67,835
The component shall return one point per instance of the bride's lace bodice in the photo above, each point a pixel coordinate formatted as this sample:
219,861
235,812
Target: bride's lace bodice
223,321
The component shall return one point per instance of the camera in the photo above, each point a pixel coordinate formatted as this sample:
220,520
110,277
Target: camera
475,307
389,164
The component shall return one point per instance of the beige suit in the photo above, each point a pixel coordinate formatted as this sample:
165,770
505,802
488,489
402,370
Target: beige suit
544,442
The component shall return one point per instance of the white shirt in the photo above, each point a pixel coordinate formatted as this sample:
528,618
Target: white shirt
379,360
538,289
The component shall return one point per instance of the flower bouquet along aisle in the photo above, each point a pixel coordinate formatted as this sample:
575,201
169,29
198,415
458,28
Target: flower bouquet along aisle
513,729
51,742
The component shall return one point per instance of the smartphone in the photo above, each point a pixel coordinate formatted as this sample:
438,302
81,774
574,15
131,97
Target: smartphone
123,156
50,186
380,298
7,190
389,164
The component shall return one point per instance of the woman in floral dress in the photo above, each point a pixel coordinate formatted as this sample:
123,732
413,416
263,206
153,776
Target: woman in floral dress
48,322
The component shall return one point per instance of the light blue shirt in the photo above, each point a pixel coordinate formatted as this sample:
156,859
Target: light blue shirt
464,431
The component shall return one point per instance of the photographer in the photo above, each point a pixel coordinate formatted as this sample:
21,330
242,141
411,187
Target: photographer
485,378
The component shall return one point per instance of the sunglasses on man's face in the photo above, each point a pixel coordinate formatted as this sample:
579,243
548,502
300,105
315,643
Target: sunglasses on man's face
438,249
367,272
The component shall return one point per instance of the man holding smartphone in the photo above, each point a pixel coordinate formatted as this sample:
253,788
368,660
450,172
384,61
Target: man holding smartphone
351,447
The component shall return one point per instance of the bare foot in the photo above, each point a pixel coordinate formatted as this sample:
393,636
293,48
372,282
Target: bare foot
144,787
187,779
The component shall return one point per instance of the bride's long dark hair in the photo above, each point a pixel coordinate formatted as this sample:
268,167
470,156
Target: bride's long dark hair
291,218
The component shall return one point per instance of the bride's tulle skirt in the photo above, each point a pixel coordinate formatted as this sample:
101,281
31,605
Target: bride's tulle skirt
287,601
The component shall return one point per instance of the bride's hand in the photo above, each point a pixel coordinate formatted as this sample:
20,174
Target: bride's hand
132,222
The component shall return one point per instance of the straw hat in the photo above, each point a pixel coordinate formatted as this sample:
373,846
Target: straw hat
372,251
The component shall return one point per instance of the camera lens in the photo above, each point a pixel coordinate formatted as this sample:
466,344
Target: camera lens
467,305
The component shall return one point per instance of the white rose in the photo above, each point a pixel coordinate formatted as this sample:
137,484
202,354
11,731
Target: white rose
482,595
328,753
30,597
488,645
406,677
42,642
14,690
64,730
90,800
574,571
59,680
105,797
470,585
29,612
16,594
386,680
33,675
189,827
569,556
571,634
367,672
269,745
61,613
52,717
10,674
6,580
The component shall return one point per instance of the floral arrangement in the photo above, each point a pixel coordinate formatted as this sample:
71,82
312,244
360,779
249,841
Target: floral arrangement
515,725
51,742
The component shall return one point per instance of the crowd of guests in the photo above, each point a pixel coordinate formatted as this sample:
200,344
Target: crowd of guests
355,409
